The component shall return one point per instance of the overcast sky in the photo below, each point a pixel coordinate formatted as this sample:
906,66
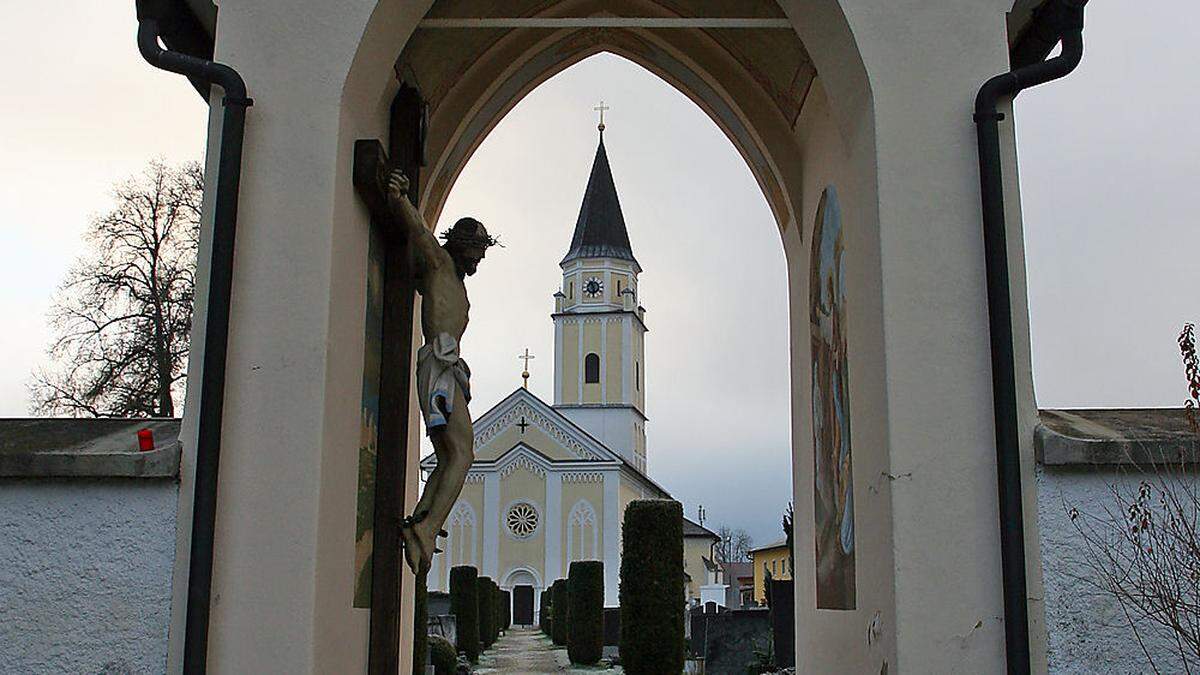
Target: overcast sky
1108,170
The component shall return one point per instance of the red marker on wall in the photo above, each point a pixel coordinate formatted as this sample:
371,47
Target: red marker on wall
145,440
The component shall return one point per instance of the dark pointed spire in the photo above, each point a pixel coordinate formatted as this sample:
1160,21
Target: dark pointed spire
600,229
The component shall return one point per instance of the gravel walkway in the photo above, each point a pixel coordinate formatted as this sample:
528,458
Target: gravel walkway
524,651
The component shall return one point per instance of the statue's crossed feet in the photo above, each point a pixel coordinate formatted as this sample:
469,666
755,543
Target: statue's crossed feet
420,542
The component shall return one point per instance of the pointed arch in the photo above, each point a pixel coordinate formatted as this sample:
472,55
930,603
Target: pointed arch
461,540
583,532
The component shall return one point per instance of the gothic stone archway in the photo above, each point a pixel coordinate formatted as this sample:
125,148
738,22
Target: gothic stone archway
896,143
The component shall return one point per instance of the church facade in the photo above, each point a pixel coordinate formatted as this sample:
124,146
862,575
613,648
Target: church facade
550,481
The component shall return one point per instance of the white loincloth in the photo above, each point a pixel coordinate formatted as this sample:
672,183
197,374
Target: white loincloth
439,372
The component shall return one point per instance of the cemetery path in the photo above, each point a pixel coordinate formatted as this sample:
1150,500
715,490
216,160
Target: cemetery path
523,651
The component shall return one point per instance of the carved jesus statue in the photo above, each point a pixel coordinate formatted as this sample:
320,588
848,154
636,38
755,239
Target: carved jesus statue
443,379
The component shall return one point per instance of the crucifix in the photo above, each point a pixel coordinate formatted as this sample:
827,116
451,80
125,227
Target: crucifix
406,149
601,108
415,261
525,374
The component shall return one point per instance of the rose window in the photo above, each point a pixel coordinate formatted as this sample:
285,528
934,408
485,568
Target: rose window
522,520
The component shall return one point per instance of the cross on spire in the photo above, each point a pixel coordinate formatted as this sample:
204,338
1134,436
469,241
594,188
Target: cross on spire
601,108
525,374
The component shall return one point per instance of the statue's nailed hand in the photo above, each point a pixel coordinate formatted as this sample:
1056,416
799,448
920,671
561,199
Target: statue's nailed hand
397,187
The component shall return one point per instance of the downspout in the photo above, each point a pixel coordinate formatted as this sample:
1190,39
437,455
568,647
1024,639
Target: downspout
1065,19
216,329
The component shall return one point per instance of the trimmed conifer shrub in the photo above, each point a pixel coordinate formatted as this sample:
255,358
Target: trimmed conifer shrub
585,632
441,655
506,609
420,624
487,612
652,586
497,612
562,611
464,605
544,611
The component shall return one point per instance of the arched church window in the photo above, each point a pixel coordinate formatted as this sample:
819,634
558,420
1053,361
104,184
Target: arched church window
583,537
591,368
460,542
637,375
571,291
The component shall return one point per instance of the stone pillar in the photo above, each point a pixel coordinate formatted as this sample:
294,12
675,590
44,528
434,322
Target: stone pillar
491,518
553,525
612,539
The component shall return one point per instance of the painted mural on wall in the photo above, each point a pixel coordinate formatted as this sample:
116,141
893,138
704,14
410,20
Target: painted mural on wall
369,429
833,476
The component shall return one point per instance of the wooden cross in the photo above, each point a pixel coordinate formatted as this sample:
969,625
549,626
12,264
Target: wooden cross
371,169
601,108
525,374
523,425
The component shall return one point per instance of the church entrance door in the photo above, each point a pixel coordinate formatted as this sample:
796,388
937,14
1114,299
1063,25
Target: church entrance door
522,611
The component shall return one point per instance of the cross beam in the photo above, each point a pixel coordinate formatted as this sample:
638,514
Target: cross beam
605,22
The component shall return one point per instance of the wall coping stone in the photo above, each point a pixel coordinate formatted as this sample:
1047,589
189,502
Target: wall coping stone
1115,437
87,448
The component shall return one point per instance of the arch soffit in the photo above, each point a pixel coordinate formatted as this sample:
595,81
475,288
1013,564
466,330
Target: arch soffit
821,25
467,103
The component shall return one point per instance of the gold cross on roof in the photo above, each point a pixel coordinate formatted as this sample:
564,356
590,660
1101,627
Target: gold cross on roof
526,358
601,108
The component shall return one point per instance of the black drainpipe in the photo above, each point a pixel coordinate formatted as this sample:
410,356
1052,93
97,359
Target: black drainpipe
1062,19
216,329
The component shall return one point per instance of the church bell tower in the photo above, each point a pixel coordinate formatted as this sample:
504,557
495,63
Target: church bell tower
599,327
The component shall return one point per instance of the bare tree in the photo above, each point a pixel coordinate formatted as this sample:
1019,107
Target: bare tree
734,546
123,315
1142,546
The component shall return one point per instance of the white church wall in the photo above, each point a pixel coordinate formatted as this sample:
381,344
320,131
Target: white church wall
576,487
532,436
571,368
516,552
583,532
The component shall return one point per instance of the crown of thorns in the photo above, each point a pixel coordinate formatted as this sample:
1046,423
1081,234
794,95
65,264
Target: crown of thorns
470,232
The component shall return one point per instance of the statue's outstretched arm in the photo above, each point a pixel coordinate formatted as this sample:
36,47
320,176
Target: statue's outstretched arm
406,217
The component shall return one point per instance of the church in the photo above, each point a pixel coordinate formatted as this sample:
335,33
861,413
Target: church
550,482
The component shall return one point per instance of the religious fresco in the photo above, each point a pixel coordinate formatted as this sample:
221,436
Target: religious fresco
833,476
369,430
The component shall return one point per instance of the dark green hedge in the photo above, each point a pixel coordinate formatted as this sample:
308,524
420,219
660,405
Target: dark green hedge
544,612
562,611
442,656
487,612
464,605
585,632
498,612
420,624
652,586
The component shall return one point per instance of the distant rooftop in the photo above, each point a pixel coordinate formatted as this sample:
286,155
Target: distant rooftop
782,543
692,529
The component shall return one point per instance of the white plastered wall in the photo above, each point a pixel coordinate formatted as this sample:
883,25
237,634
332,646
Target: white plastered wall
925,64
284,572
